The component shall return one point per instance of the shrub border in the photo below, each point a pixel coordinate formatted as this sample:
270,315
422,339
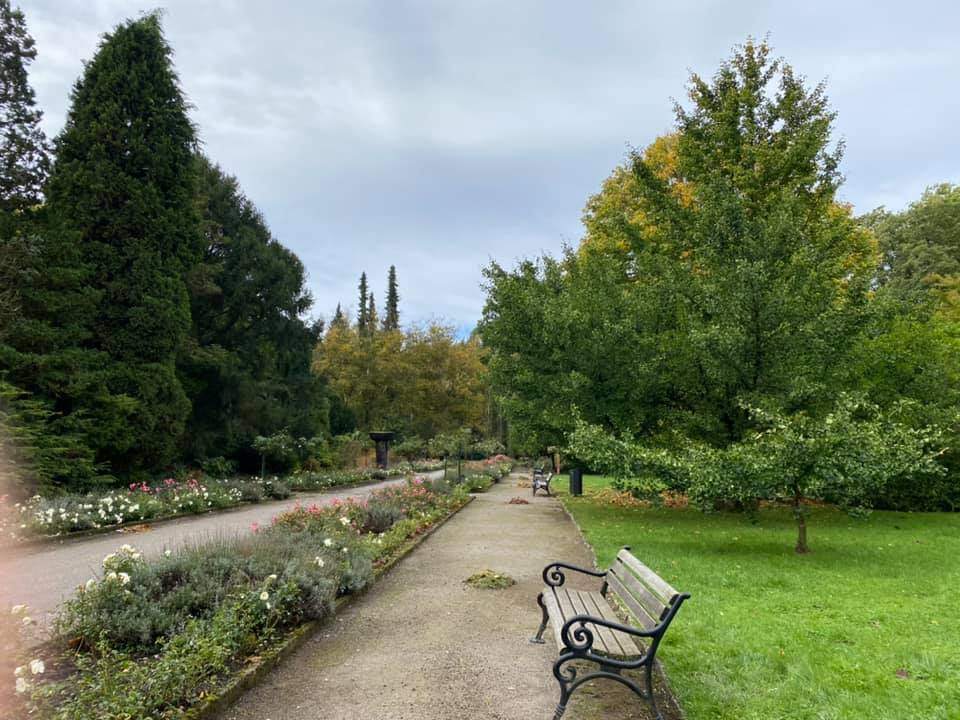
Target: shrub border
250,676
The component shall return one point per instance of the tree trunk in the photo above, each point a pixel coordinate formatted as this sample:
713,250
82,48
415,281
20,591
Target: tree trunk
800,513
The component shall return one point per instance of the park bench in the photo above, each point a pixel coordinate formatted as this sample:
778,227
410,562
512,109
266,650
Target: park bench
541,481
587,627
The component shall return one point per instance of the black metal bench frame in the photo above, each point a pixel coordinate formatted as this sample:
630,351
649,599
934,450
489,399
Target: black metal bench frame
579,632
541,482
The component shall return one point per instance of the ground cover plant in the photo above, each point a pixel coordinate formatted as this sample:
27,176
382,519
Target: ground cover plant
862,627
152,638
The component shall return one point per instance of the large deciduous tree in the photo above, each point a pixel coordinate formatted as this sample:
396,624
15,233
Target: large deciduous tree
419,382
124,183
717,267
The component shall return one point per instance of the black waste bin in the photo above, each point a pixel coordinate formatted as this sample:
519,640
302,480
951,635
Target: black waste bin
576,481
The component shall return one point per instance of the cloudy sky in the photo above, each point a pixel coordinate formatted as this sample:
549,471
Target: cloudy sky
437,135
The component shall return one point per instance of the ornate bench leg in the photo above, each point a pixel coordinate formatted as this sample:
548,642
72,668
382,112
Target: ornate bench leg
538,638
651,698
564,676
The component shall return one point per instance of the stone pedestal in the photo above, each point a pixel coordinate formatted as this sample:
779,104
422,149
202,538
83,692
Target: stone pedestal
382,439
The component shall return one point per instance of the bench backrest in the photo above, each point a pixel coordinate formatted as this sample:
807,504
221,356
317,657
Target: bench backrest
645,595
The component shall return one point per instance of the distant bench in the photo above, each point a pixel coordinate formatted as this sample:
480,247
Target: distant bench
541,481
587,627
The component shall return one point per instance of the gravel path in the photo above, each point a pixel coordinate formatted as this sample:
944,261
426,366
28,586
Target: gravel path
41,575
421,645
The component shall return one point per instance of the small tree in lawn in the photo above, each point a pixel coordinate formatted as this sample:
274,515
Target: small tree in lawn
848,457
851,456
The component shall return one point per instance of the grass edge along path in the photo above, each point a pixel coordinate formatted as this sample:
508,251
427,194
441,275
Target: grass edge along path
863,627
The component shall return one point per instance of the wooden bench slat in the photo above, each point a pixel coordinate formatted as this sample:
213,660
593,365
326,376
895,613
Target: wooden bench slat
563,604
648,576
556,616
650,602
604,640
640,614
626,643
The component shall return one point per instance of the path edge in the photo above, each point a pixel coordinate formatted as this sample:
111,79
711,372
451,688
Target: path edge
250,677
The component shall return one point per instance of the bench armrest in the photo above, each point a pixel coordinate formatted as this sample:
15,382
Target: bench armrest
554,577
581,637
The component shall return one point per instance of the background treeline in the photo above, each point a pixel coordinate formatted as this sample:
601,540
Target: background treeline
725,311
148,317
418,381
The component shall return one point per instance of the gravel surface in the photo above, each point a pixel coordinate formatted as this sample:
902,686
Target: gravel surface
421,645
42,575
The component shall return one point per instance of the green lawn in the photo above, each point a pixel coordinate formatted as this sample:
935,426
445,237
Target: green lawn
866,626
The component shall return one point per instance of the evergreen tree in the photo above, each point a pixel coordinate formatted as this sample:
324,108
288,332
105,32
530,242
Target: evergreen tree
247,364
373,319
391,321
363,314
339,319
124,181
24,152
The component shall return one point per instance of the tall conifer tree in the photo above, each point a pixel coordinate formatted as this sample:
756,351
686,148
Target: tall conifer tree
391,321
339,319
24,151
124,181
372,318
363,314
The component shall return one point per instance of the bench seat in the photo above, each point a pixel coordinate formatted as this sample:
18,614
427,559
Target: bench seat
562,604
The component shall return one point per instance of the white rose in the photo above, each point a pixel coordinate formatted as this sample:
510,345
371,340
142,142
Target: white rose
22,685
264,596
37,667
328,543
20,670
319,561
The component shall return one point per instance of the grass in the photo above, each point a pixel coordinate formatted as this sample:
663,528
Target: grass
865,626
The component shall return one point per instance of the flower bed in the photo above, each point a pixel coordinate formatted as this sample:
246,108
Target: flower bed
53,516
325,479
150,639
40,517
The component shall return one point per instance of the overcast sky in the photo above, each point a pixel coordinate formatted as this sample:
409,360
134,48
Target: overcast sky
439,135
